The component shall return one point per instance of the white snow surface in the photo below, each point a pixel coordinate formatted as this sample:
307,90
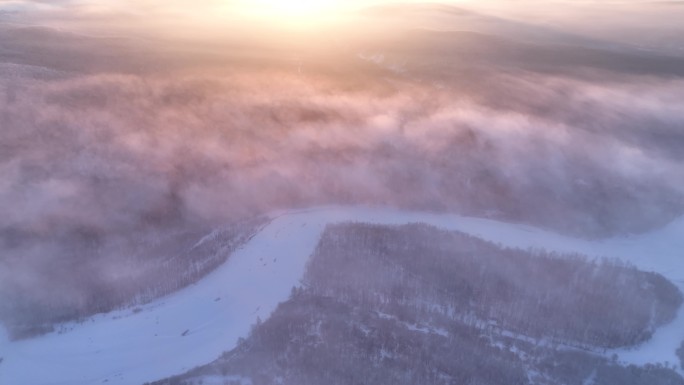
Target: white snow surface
196,324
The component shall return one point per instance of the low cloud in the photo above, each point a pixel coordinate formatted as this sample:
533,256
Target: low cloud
108,148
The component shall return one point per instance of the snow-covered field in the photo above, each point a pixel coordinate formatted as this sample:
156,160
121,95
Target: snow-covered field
195,325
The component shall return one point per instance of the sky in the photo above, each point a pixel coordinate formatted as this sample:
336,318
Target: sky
648,23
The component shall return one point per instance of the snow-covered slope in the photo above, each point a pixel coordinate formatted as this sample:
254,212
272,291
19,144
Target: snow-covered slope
195,325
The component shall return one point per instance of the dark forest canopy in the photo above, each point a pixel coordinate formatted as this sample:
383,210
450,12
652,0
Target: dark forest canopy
414,304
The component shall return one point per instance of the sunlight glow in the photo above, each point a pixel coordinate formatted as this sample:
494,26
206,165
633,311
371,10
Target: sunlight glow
297,7
296,11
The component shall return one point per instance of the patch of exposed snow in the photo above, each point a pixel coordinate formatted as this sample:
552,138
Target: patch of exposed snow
425,329
221,380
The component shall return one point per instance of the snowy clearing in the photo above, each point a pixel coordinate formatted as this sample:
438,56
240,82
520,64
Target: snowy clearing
195,325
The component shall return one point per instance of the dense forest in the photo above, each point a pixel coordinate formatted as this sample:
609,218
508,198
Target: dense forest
416,305
163,265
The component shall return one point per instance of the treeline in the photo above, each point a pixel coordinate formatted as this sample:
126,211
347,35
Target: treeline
416,305
314,339
164,265
568,298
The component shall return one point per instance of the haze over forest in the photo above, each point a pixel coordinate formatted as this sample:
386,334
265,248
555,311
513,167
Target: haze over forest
130,129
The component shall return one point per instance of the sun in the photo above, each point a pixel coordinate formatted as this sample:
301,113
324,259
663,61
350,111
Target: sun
296,7
296,10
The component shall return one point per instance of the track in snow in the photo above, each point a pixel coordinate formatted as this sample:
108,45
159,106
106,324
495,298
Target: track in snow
195,325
